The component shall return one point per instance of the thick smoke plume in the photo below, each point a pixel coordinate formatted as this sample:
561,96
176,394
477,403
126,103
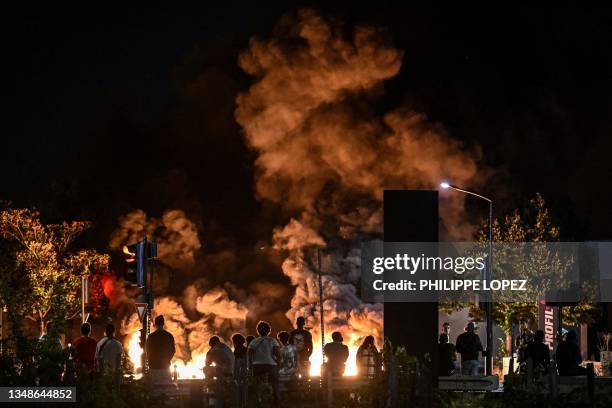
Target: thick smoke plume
176,235
326,157
201,309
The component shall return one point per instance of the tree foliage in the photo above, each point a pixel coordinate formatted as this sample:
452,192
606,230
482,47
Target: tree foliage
531,224
43,278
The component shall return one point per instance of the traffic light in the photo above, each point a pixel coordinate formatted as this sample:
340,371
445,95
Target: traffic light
136,257
135,260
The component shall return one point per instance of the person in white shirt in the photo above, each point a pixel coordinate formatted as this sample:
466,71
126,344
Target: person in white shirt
288,356
108,354
264,354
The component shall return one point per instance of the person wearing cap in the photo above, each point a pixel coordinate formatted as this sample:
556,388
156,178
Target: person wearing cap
468,346
160,350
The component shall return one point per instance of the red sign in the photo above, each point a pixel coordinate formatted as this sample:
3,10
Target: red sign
141,309
548,318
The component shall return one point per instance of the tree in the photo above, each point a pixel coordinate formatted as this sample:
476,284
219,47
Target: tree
531,224
44,279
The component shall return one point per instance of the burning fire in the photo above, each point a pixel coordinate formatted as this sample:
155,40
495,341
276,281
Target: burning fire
316,359
135,353
194,367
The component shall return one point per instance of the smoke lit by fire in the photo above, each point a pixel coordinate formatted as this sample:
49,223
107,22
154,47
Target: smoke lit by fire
324,157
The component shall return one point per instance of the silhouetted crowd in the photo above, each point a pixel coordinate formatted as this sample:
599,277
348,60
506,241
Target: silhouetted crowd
270,359
85,355
282,358
530,346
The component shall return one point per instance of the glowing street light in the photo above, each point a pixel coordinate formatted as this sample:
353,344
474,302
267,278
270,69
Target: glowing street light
489,312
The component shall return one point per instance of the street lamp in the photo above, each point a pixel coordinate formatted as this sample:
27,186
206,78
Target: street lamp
488,306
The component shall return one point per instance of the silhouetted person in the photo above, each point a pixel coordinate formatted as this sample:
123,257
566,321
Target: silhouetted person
337,354
240,355
222,357
288,366
108,355
249,339
538,352
302,340
568,356
469,346
240,368
264,355
160,346
446,356
51,337
84,350
524,338
369,362
51,364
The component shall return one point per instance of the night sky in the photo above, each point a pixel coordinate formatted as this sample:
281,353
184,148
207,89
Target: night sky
113,108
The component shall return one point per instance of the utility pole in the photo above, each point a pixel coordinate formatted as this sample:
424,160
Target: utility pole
330,395
144,334
321,299
84,297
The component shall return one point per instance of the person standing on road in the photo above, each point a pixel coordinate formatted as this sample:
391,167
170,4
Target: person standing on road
568,356
302,340
369,362
84,349
160,350
108,355
288,356
538,352
469,346
264,356
337,353
240,369
446,356
222,358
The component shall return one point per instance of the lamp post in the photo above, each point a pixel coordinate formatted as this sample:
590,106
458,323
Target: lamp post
488,306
